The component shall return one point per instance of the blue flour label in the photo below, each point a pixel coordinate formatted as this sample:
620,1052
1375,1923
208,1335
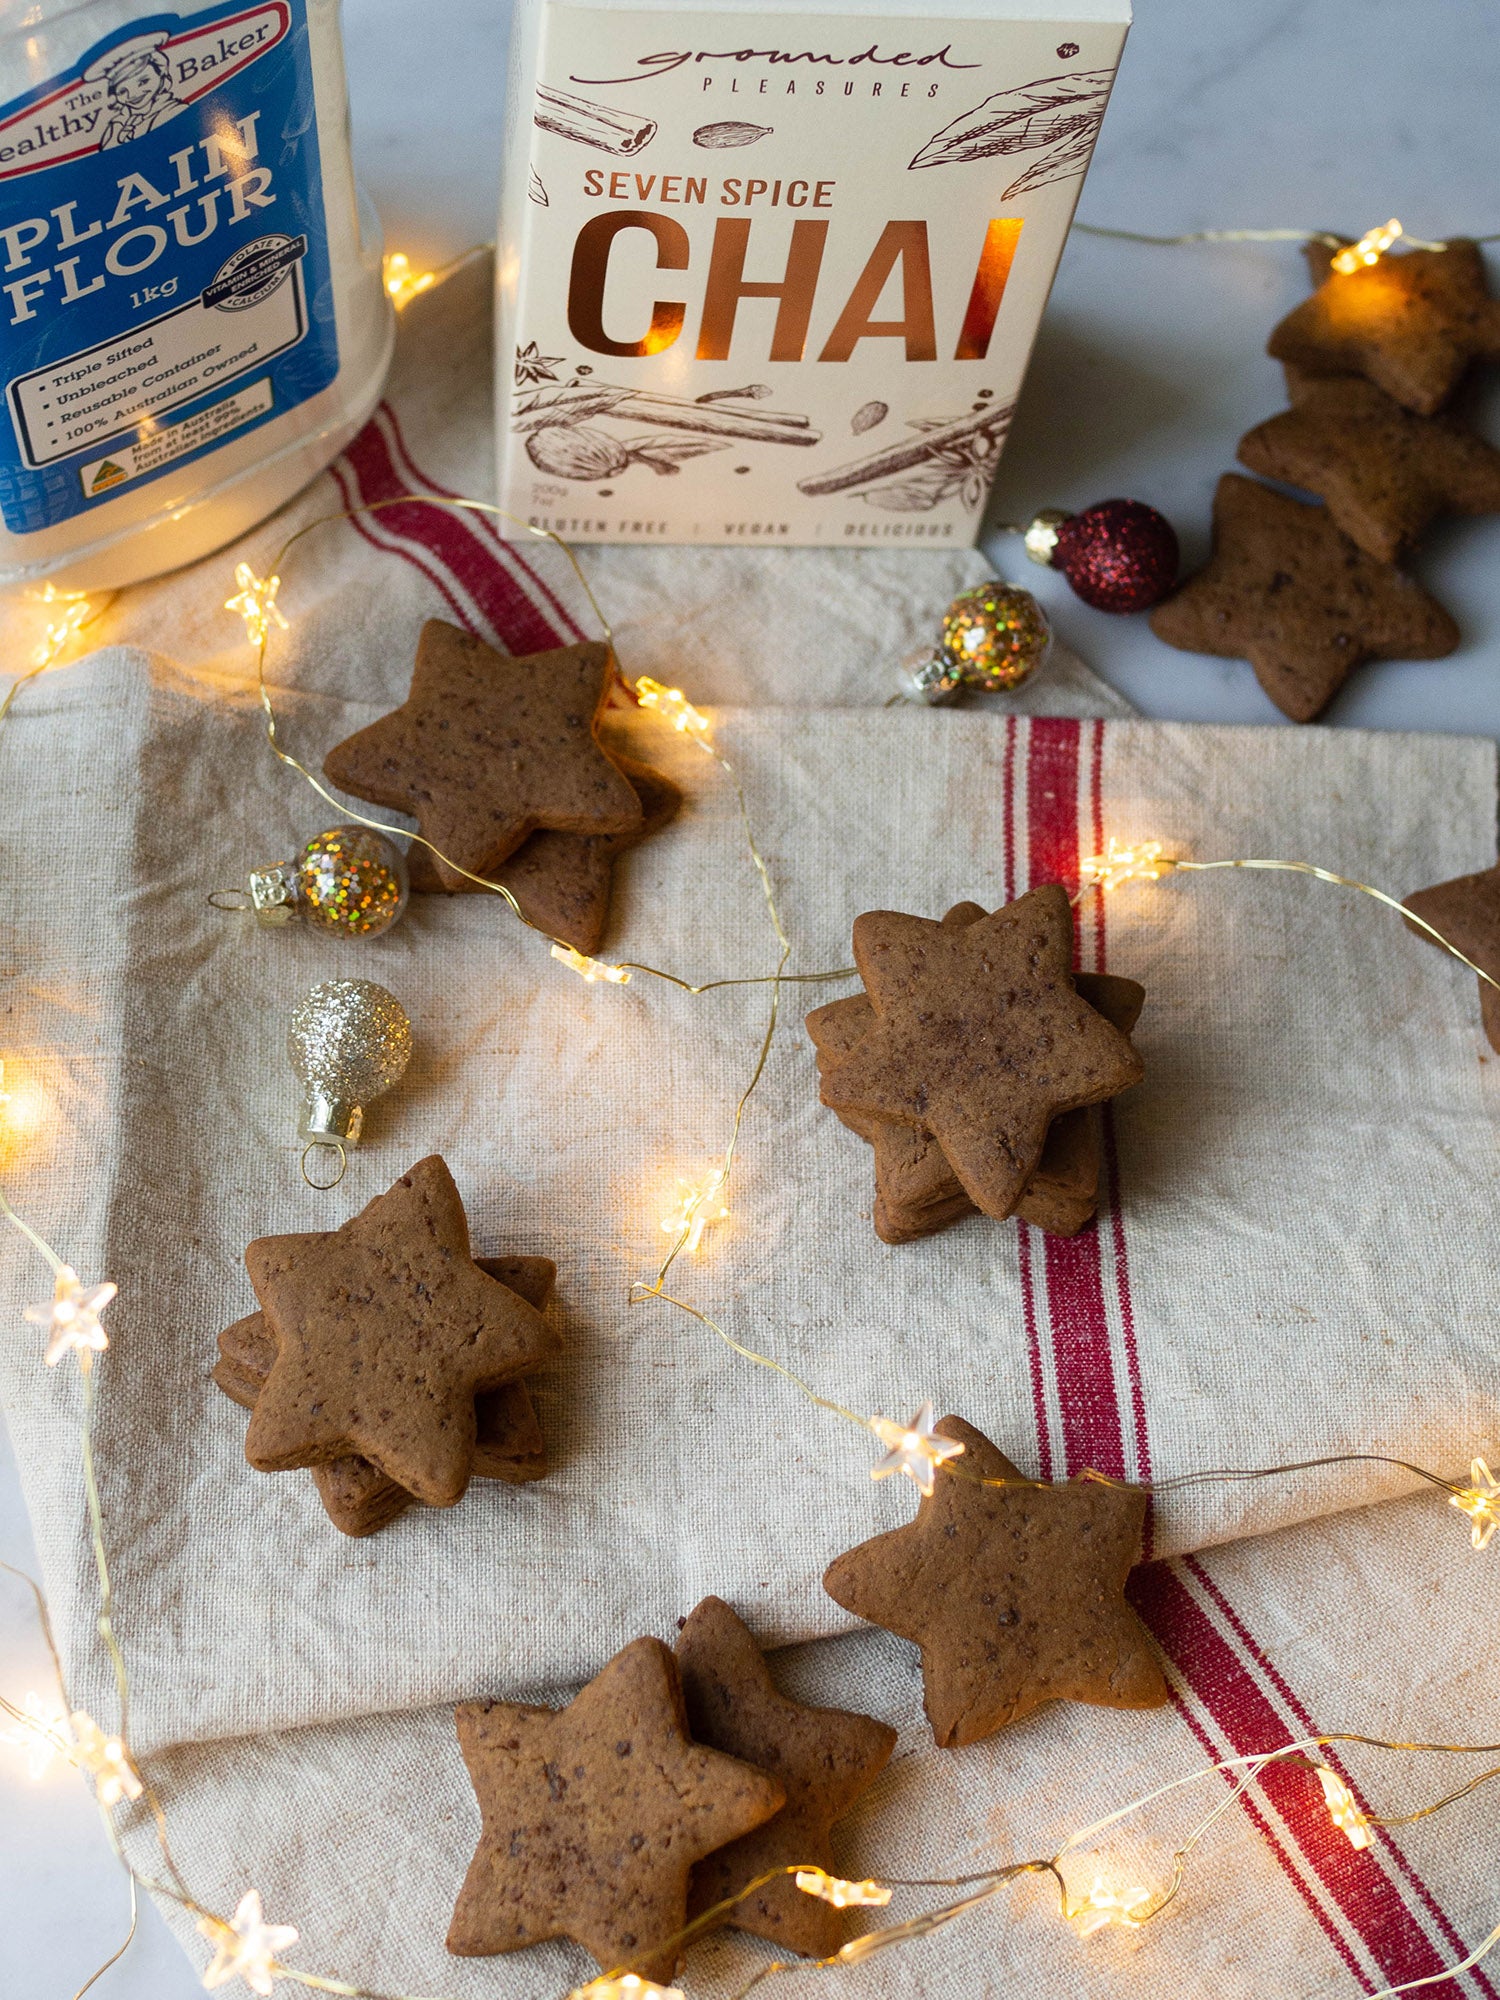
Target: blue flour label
164,280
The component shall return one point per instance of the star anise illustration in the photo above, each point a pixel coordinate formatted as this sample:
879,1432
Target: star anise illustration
534,366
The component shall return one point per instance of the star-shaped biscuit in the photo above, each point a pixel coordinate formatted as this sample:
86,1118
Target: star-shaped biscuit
386,1330
357,1496
825,1758
1467,912
486,749
1286,591
594,1814
1411,323
1015,1594
1383,473
916,1190
564,881
979,1038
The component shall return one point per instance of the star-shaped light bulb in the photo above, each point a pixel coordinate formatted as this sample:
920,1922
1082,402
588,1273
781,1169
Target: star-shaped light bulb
698,1204
42,1733
402,283
1121,863
1343,1808
591,969
913,1449
673,706
629,1986
72,1319
1103,1905
247,1946
843,1895
256,603
1479,1502
1370,248
105,1759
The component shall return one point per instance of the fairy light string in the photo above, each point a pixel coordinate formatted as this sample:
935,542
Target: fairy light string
1123,862
1367,250
246,1943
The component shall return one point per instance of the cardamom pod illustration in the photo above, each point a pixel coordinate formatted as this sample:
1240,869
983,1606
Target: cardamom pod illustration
868,415
731,132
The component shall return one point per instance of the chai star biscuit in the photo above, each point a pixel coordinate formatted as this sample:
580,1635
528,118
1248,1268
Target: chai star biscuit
564,881
1466,911
980,1037
1013,1592
385,1331
1411,323
1284,589
594,1816
486,749
1383,473
357,1496
917,1191
825,1759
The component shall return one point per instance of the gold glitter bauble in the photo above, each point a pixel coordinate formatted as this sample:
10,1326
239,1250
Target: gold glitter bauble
996,636
351,880
350,1040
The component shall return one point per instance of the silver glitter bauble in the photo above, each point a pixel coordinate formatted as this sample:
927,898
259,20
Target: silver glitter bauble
349,1041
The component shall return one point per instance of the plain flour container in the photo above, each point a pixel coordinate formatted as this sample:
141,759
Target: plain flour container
192,317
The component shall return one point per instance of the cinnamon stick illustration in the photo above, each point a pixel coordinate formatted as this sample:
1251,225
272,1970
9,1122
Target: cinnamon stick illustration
589,124
715,420
920,449
718,420
566,406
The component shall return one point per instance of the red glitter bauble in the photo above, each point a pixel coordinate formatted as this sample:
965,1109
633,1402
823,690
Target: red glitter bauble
1118,556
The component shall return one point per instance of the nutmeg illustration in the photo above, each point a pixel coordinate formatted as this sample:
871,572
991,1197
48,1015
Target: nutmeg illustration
573,451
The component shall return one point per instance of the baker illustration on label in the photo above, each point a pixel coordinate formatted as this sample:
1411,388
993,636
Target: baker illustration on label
164,272
138,78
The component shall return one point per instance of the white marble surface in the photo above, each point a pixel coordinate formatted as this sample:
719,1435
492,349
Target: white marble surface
1332,113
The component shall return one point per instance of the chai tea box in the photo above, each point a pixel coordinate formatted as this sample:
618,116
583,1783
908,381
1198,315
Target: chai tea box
773,276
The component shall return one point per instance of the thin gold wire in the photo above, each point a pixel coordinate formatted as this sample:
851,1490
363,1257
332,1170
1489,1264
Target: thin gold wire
324,1145
1328,236
99,1972
96,612
1340,882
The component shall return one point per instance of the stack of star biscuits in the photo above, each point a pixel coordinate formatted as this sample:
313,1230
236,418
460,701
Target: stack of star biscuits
499,761
388,1360
970,1060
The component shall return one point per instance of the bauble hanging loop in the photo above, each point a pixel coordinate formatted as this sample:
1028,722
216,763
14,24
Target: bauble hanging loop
349,1042
348,881
1118,555
993,637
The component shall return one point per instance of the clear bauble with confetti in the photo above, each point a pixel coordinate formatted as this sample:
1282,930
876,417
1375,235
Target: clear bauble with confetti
996,636
348,881
992,638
